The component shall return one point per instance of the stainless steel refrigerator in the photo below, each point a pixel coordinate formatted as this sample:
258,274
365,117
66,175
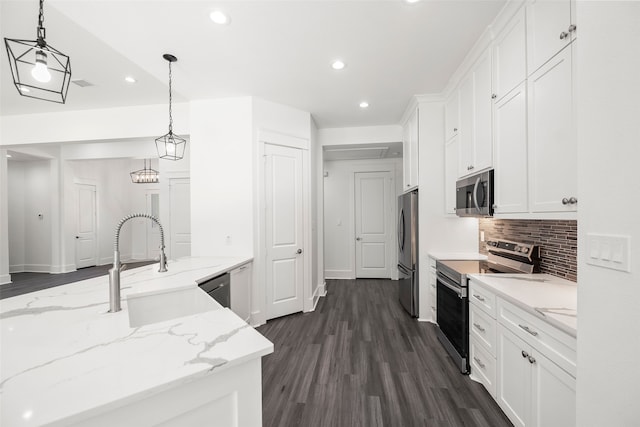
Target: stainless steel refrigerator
408,251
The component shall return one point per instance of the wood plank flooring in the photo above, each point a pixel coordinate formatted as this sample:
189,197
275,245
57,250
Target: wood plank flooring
360,360
23,283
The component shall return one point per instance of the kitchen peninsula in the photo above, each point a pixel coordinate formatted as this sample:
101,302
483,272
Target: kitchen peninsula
67,361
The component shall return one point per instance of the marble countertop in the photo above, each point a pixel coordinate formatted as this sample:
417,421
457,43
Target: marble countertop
547,297
457,256
63,357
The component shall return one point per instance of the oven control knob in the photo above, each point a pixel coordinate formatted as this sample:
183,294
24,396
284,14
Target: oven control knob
525,250
517,249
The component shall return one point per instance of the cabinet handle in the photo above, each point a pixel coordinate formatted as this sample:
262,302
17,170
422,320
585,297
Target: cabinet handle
572,28
532,360
478,297
471,167
242,268
494,96
455,129
573,200
479,362
526,328
563,35
480,328
525,354
433,286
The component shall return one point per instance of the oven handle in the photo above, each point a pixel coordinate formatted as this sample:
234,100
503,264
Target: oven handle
475,194
460,291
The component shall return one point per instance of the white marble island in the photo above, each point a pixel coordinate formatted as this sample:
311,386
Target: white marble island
66,361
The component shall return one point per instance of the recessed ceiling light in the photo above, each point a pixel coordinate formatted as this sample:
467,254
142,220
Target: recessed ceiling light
364,104
412,1
129,79
219,17
338,65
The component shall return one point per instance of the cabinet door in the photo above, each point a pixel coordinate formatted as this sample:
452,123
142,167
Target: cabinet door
514,377
554,395
451,152
552,142
451,116
406,153
483,103
465,159
547,24
511,181
509,56
241,292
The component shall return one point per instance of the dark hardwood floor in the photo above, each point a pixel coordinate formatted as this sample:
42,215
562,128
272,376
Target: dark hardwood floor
22,283
360,360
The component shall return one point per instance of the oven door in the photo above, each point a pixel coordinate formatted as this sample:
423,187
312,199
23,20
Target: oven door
452,316
474,195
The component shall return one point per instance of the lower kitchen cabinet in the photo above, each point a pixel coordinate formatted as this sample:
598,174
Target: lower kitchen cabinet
241,291
531,389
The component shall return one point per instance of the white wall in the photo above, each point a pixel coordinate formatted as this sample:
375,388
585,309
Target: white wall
222,177
608,90
437,231
339,212
360,135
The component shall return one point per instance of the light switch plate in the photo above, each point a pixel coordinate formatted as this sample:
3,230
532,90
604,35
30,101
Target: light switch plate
609,251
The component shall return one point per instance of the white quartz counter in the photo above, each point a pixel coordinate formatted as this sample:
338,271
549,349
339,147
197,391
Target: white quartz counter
550,298
64,358
457,256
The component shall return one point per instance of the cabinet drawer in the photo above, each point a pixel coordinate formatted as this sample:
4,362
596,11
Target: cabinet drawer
558,346
483,328
483,366
482,298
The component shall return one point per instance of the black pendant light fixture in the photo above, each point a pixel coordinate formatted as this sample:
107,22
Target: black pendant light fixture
39,70
170,146
146,175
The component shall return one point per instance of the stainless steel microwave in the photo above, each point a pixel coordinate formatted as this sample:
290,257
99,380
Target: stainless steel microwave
474,195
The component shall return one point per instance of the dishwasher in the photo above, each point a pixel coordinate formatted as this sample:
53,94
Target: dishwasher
218,288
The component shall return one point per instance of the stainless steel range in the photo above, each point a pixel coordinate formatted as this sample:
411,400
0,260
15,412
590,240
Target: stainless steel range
453,303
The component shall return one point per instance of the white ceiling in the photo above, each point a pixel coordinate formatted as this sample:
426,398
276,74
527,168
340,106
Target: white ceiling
277,50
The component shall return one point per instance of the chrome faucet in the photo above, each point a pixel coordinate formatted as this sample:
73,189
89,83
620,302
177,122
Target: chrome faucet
114,272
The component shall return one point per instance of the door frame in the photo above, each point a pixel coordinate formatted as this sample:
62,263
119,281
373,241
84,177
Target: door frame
94,183
259,294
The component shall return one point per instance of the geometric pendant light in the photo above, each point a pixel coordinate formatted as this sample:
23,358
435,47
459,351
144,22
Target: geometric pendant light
39,70
170,146
146,175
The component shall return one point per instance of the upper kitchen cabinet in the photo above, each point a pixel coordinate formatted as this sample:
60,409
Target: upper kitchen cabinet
451,154
451,115
475,117
509,56
550,27
552,141
410,134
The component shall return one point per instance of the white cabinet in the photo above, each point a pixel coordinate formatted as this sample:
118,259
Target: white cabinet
433,290
482,336
241,291
552,141
550,28
509,56
410,136
451,153
511,161
475,117
532,390
451,115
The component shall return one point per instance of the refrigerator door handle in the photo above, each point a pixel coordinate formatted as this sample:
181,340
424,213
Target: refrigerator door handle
401,231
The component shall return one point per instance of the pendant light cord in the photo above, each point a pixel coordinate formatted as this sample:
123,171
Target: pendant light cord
41,30
170,116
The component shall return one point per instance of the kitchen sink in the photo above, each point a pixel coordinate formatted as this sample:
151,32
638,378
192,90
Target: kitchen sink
146,309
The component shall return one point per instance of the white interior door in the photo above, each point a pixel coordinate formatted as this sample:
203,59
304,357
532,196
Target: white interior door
284,230
153,229
180,217
86,226
372,224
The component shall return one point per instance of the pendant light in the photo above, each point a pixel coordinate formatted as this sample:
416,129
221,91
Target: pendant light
146,175
39,70
170,146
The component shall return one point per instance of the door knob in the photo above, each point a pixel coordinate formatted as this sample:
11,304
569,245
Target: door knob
299,251
77,237
358,239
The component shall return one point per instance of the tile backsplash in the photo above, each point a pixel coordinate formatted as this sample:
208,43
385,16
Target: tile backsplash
558,241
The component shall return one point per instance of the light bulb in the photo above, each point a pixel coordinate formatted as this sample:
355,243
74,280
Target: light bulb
40,72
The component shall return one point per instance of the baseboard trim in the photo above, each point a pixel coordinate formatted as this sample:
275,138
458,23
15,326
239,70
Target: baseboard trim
321,291
339,274
5,279
37,268
57,269
18,268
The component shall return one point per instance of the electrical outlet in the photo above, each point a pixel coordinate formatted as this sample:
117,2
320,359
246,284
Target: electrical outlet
609,251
